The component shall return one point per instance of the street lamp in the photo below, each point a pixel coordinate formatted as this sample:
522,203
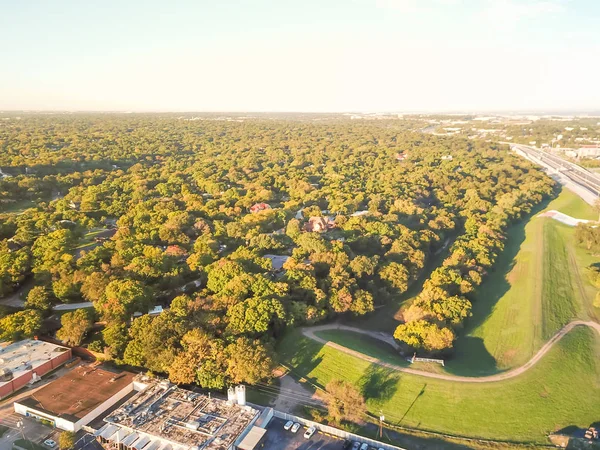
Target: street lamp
381,419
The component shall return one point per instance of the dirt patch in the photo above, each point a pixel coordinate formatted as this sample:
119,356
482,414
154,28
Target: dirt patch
292,395
508,355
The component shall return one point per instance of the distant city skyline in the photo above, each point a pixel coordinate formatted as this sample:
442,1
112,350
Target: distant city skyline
311,56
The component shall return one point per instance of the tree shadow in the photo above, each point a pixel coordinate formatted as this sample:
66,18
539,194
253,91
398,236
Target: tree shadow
378,383
301,356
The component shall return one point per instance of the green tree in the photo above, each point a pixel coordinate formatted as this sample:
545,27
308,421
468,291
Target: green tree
74,326
248,361
116,337
66,440
20,325
421,334
122,298
344,402
39,298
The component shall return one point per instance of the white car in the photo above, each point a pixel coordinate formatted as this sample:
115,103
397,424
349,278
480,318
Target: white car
296,427
356,445
288,425
308,433
50,443
365,446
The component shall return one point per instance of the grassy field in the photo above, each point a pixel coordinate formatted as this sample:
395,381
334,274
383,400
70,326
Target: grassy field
560,391
537,286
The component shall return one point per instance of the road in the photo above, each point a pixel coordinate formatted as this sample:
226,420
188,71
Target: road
310,333
581,181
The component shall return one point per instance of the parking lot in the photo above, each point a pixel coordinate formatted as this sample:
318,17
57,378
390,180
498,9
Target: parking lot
279,439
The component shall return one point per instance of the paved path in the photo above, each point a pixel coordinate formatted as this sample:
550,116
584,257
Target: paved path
310,333
563,218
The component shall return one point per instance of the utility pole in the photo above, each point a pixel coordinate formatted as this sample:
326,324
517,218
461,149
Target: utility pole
21,426
381,419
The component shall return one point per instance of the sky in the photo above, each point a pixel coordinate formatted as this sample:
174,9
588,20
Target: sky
300,55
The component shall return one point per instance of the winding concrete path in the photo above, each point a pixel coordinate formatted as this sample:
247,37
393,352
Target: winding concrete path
310,333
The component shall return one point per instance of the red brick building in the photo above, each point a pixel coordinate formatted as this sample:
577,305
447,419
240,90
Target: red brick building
24,361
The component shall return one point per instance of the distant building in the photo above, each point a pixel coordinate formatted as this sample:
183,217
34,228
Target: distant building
77,398
26,361
586,151
447,158
155,311
259,207
319,224
13,245
401,156
277,261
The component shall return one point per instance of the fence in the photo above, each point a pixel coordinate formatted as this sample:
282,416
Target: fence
433,360
335,431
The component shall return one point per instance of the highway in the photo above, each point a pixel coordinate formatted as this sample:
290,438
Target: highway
582,181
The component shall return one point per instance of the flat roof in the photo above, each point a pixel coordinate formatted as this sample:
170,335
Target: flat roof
78,392
252,439
179,418
24,356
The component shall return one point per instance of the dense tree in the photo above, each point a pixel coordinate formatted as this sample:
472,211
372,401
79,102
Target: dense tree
39,298
129,211
344,401
74,326
425,335
20,325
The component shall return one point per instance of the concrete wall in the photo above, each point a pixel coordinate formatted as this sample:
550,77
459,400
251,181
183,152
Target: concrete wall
58,422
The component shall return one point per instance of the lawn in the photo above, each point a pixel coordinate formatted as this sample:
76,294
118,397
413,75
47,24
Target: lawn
364,344
560,391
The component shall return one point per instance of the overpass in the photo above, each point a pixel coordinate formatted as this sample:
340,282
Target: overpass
586,184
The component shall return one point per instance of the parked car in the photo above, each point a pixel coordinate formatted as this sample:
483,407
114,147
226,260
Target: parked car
296,427
308,433
50,443
364,446
347,444
288,425
356,445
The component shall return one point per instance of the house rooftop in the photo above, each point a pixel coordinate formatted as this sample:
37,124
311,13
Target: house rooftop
78,392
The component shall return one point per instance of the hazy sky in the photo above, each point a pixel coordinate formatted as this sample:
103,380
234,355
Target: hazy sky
300,55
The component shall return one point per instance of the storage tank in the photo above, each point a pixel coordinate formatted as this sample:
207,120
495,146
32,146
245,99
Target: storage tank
240,392
231,395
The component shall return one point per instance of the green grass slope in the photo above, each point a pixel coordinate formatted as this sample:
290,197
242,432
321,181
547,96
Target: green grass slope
537,286
560,391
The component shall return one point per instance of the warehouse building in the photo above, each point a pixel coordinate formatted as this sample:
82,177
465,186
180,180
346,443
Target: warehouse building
77,398
163,416
24,362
